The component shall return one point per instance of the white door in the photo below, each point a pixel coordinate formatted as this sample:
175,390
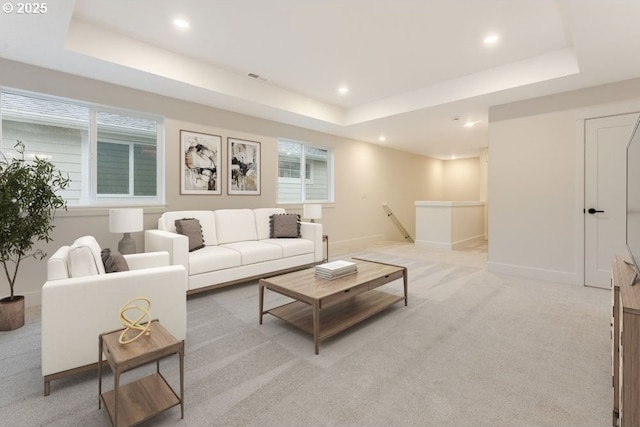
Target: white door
606,142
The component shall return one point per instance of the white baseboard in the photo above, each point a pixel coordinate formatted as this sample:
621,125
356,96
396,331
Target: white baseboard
433,245
448,246
533,273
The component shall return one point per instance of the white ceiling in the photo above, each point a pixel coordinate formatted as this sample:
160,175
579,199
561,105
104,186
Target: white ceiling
412,66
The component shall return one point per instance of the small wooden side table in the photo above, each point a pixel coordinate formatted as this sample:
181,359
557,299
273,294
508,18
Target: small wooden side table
140,400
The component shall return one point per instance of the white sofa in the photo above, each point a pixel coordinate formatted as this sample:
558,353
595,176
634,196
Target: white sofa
238,247
76,310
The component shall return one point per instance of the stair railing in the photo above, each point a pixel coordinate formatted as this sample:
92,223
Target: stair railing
398,224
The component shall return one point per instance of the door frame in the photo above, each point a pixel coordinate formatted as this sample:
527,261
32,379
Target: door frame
582,115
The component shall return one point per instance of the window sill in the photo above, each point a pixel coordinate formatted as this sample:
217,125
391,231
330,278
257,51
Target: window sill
84,211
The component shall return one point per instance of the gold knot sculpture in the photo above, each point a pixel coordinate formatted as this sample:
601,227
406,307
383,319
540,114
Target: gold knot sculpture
135,325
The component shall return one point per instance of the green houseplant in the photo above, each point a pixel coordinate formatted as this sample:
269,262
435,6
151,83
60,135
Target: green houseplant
28,202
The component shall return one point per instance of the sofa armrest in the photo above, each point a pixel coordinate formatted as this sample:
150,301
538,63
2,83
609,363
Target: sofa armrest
177,245
76,310
313,231
147,260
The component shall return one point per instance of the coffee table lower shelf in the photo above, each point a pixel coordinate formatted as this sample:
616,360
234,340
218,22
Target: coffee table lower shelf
338,317
140,400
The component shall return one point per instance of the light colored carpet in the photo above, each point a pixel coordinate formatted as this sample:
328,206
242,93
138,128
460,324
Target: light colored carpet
472,349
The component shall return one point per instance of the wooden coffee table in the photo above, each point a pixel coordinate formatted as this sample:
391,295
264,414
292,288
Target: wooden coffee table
323,307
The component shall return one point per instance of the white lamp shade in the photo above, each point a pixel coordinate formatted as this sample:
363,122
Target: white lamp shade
127,220
312,211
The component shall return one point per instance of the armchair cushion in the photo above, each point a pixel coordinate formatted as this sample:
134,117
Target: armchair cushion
91,243
113,261
191,228
81,262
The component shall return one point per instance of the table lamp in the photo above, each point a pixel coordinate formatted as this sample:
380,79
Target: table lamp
126,221
312,212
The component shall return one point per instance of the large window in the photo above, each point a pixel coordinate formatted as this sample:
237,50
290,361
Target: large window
305,173
111,156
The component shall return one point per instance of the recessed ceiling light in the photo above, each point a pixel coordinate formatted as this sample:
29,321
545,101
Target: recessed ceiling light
382,138
471,124
491,39
343,90
180,23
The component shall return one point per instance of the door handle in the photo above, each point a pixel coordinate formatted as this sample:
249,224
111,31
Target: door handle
592,211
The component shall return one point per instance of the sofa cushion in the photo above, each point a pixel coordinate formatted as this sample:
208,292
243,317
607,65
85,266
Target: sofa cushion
212,258
235,225
81,262
91,243
263,220
206,218
254,252
284,225
293,247
191,228
113,261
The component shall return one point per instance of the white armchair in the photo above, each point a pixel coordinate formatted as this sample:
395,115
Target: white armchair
75,310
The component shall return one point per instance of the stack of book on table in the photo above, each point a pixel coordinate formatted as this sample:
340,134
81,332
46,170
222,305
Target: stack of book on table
334,269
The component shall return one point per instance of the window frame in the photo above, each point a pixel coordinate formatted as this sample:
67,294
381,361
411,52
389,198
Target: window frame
307,165
89,196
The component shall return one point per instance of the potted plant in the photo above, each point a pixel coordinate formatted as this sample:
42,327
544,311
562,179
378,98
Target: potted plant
28,202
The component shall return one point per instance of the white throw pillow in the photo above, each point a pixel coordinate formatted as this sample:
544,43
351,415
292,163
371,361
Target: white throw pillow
91,243
81,262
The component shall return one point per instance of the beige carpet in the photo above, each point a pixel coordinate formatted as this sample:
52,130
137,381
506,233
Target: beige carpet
472,349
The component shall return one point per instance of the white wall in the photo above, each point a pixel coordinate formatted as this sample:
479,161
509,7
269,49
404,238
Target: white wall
535,179
532,193
462,179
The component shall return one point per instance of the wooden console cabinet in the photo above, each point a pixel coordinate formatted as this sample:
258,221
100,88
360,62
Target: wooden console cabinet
625,337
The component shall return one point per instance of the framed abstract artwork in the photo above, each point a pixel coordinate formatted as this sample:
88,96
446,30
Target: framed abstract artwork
243,176
200,159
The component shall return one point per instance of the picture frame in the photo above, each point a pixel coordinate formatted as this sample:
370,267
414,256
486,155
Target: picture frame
200,161
243,167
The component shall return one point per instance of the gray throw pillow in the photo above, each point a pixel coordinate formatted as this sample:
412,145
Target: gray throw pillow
113,261
191,228
284,226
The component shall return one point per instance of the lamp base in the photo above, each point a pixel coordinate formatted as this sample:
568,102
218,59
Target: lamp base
127,245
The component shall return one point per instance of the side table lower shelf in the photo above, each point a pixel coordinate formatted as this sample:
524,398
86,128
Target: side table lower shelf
153,390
